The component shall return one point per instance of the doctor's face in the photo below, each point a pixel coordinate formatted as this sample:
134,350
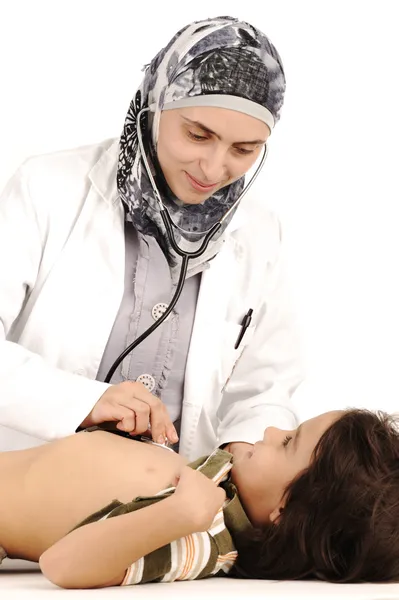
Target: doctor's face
264,473
203,149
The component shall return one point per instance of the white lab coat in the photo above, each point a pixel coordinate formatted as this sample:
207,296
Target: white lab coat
61,283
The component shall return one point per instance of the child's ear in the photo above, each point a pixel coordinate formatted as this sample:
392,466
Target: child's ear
276,514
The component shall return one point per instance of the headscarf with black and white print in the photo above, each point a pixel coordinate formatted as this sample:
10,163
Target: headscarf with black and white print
219,62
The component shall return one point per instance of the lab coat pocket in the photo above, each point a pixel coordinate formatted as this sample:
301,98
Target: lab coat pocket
229,355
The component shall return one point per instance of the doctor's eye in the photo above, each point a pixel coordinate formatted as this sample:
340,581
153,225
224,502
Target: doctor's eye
287,440
195,137
243,151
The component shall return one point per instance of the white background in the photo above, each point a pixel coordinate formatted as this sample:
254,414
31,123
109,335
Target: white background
69,68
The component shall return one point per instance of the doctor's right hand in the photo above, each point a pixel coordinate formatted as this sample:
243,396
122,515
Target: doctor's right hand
134,408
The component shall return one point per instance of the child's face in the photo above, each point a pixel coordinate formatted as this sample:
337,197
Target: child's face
262,476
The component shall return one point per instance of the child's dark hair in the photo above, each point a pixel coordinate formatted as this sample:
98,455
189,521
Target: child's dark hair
340,520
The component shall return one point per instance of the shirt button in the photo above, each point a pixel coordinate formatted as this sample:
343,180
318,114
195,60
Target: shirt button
158,310
147,380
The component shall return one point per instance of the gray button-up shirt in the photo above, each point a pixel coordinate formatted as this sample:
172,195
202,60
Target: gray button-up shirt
163,354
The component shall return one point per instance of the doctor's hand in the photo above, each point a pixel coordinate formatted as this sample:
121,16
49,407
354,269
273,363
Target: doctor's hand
134,409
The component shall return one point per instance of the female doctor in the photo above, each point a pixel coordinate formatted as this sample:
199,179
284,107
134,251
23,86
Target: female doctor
94,244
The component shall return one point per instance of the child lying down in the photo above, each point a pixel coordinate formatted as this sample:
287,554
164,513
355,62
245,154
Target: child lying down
320,501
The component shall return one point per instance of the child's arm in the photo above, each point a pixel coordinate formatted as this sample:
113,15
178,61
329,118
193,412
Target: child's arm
98,554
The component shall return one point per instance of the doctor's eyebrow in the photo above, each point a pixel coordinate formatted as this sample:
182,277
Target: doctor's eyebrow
207,130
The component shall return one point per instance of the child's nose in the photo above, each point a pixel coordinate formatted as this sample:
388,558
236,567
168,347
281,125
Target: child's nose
272,434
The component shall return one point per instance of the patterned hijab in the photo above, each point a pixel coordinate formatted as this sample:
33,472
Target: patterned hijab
219,62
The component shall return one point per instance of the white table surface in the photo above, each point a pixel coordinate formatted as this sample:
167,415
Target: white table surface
19,579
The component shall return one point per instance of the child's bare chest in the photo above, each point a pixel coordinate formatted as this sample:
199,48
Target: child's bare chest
80,475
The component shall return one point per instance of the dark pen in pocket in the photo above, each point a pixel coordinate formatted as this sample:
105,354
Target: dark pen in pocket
244,326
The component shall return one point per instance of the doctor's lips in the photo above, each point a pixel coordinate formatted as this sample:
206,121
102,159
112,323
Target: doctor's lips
200,186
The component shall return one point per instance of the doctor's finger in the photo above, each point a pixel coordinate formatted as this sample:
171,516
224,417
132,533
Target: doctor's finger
162,426
157,414
128,422
140,392
171,433
142,412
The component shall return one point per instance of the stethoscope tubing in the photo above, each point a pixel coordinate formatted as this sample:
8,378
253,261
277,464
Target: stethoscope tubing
169,224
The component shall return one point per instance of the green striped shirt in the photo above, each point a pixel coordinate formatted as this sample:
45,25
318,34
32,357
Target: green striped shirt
197,555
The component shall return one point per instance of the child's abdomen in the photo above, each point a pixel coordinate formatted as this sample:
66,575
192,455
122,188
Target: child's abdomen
80,474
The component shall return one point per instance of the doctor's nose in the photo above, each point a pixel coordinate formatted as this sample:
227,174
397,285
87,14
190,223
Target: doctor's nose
214,168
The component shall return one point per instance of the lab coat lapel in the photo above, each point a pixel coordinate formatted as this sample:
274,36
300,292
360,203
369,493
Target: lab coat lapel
103,174
106,291
218,286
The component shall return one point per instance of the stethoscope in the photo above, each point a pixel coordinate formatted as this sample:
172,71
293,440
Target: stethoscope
169,224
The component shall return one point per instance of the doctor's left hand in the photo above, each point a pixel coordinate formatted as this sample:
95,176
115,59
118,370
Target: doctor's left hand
134,408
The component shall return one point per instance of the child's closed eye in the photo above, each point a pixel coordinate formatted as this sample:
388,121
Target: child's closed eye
287,440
